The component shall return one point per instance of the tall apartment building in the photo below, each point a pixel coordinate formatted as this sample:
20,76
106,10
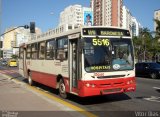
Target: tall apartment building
75,16
107,12
136,27
156,16
127,18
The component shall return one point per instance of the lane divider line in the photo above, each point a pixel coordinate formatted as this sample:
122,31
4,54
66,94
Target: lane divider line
156,87
52,97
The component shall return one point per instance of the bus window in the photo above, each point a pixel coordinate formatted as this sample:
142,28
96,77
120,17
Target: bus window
41,50
50,49
28,51
34,51
62,51
122,54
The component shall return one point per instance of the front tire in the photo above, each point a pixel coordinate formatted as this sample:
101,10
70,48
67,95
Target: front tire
153,75
30,81
62,89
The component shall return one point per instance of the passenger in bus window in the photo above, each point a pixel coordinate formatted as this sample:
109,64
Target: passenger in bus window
120,63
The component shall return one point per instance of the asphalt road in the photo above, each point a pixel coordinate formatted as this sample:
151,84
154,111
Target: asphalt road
145,101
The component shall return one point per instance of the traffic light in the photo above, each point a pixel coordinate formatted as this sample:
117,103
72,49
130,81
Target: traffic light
32,27
26,26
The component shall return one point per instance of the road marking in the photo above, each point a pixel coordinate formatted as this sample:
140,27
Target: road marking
156,87
153,99
52,97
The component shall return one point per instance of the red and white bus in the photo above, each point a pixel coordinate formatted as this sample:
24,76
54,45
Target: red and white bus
80,61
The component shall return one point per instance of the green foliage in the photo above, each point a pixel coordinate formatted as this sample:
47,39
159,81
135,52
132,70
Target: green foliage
14,56
146,45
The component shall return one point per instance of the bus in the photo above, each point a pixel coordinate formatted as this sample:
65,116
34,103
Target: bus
81,61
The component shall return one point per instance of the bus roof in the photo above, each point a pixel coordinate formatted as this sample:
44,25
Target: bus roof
60,33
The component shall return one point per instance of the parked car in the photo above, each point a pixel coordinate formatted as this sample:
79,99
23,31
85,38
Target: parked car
148,69
3,63
12,63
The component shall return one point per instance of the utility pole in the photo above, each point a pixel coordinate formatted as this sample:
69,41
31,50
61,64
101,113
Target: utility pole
0,24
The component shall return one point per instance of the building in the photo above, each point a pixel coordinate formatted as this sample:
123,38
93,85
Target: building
156,16
13,39
127,18
107,12
71,17
75,16
136,27
8,42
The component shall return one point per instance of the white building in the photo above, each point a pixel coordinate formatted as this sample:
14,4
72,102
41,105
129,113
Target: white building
130,22
136,26
127,18
71,17
156,16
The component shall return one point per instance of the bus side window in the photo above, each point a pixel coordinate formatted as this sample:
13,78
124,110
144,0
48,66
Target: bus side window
41,50
34,51
28,51
62,49
50,49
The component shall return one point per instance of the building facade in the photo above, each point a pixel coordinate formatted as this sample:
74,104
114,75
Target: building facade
127,18
156,16
136,27
75,16
71,17
13,39
107,12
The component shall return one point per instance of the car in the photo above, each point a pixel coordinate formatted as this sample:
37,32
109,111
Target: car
148,69
12,63
3,63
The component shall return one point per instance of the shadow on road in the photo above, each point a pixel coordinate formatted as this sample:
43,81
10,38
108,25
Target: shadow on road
158,90
85,100
99,99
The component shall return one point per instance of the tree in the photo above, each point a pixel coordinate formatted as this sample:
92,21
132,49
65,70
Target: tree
14,56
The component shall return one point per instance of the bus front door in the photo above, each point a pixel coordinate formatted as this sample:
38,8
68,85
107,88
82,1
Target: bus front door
73,63
22,64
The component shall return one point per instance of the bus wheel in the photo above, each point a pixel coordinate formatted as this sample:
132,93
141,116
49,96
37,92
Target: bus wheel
62,89
30,81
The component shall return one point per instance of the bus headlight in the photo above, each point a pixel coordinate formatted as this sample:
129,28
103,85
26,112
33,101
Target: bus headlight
90,85
87,85
130,82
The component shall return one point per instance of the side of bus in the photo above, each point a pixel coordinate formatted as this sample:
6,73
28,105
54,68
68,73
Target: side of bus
51,62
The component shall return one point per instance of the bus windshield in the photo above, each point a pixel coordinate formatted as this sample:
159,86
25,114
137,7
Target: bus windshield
104,54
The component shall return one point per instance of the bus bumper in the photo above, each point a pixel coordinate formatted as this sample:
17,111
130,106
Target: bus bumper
104,87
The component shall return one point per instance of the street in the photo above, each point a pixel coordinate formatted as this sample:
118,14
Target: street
144,101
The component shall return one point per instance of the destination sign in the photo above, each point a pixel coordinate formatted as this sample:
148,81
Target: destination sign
105,32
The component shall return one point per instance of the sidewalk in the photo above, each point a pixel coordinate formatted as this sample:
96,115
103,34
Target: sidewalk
18,99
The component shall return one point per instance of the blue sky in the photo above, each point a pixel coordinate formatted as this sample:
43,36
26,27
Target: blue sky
21,12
